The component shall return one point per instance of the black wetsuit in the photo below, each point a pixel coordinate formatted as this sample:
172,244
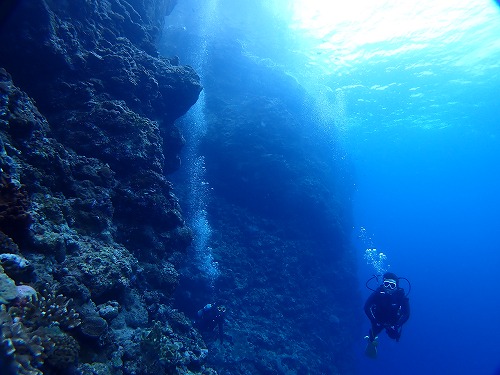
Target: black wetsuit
209,318
387,310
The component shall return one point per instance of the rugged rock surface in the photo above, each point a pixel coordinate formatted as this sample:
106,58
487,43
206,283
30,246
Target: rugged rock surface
87,135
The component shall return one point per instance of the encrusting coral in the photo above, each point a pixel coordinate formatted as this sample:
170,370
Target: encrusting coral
65,351
161,349
94,326
165,350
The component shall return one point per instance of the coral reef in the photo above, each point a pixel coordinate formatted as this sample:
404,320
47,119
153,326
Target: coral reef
76,205
87,137
33,331
94,327
93,238
65,351
8,290
165,352
46,310
14,216
17,267
24,350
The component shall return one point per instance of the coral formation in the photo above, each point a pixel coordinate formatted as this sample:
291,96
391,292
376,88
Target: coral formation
165,352
14,216
32,331
94,326
25,349
65,351
92,145
162,275
104,268
46,310
109,310
7,245
8,290
17,267
88,223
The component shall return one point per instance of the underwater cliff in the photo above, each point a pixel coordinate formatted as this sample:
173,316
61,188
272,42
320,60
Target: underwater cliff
95,273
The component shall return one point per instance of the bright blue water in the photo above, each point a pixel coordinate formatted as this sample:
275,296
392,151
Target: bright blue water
414,96
422,125
426,156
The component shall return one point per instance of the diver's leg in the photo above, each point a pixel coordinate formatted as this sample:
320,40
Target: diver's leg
372,342
374,331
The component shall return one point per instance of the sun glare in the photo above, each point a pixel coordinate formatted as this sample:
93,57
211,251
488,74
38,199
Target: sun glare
346,27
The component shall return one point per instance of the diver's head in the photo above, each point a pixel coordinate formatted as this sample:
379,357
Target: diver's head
221,309
391,282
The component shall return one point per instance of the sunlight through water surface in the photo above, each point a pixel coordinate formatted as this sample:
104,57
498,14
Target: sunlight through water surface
340,33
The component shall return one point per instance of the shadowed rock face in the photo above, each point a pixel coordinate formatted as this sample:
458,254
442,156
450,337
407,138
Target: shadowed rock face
95,75
70,56
279,213
87,137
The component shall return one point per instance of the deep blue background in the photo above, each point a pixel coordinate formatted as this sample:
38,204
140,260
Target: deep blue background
431,201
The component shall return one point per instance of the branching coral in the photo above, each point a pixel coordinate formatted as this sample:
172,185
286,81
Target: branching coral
31,333
27,349
47,310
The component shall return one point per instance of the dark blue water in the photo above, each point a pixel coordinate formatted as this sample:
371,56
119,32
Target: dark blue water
427,192
412,91
432,202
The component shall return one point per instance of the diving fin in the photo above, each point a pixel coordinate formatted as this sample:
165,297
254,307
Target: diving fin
371,347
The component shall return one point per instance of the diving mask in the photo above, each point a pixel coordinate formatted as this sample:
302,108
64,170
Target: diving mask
390,284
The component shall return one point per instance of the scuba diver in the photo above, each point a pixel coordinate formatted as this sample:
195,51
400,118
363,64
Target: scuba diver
211,316
388,308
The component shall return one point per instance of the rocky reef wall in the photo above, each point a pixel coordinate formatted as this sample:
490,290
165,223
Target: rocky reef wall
280,215
93,238
282,219
88,220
